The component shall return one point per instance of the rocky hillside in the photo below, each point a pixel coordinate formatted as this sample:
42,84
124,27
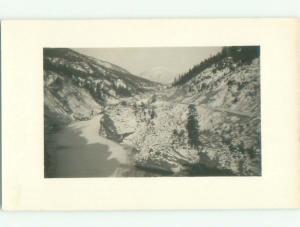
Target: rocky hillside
208,125
77,86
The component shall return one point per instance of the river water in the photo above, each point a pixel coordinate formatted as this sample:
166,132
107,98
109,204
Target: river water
78,151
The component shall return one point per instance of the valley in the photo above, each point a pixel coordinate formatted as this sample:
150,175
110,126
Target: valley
101,121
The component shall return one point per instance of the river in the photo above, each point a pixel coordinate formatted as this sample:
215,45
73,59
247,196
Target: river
77,150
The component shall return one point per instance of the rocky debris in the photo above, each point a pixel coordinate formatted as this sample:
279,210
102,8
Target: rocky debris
229,129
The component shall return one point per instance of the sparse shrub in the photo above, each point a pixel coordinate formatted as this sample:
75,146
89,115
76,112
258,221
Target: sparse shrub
123,103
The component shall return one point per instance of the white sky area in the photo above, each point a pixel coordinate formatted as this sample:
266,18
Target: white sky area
138,60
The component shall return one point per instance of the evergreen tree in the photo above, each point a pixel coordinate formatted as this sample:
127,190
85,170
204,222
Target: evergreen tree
193,127
239,54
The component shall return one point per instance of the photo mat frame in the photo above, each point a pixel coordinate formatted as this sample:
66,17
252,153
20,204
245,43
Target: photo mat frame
25,188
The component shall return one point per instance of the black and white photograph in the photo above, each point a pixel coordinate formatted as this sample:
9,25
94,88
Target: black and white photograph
152,112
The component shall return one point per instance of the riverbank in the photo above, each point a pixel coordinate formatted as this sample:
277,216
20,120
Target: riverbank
78,151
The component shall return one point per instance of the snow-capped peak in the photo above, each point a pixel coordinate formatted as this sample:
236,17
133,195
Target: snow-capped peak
159,74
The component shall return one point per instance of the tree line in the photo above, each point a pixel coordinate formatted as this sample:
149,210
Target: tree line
238,54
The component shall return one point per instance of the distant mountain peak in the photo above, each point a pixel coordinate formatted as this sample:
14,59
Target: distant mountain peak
159,74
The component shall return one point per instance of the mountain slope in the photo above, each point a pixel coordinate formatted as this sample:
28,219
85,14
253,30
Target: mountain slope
225,96
159,74
77,87
207,123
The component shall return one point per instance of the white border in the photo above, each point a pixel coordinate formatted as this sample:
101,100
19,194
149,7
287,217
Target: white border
24,187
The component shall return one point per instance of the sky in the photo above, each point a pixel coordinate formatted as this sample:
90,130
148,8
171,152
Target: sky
140,59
